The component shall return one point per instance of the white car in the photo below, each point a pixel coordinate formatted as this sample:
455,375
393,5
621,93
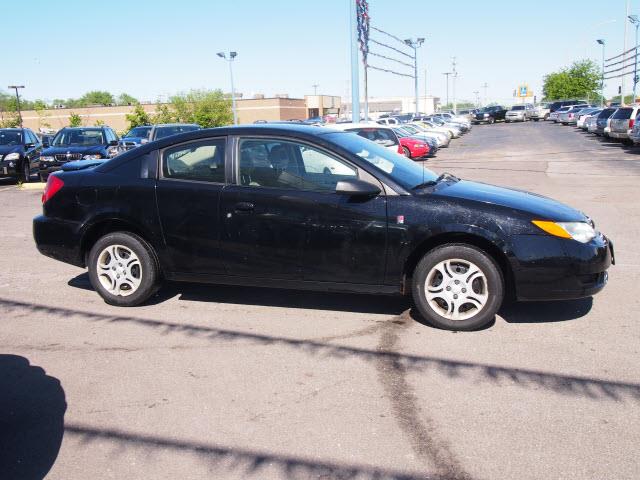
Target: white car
583,115
518,113
380,134
441,138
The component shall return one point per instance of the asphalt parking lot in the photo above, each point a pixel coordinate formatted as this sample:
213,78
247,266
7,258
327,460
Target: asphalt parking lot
232,382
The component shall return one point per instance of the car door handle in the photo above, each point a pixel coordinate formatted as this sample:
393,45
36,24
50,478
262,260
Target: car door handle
244,207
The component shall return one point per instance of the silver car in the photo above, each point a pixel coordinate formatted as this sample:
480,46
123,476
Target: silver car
584,116
623,121
540,112
518,113
569,117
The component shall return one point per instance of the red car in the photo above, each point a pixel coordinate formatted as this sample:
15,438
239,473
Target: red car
414,148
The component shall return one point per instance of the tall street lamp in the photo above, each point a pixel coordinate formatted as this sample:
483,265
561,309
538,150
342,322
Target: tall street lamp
16,87
446,74
415,44
636,22
232,55
601,42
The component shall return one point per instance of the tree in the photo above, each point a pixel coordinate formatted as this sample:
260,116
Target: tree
96,97
75,120
581,80
207,108
138,117
162,115
126,99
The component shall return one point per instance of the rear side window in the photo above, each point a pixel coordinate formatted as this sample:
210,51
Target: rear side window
623,114
202,160
381,136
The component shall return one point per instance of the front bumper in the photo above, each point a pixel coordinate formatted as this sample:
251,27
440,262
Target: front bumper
58,239
514,118
550,268
6,170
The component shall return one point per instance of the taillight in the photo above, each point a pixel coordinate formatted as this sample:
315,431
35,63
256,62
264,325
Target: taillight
632,122
54,184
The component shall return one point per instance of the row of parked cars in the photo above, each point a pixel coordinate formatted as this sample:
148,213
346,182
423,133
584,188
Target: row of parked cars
24,154
618,122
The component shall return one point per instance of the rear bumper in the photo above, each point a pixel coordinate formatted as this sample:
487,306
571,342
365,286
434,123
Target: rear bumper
550,268
58,239
619,135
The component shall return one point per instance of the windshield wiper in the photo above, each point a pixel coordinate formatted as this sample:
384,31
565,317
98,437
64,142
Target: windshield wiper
446,176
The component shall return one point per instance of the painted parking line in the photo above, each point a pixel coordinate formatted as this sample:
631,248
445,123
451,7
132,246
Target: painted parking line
8,188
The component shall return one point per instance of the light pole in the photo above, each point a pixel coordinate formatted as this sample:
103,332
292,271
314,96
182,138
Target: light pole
446,74
601,42
315,89
485,86
415,44
477,94
16,87
636,22
232,55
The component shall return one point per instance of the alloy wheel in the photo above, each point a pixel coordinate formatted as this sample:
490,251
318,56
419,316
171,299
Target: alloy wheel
456,289
119,270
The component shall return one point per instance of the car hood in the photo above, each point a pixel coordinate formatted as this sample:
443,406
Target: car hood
87,150
538,206
6,149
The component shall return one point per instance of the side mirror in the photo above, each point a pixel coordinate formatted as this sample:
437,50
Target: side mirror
357,188
29,145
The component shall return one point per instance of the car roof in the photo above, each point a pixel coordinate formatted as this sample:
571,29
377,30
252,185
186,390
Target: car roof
347,126
174,125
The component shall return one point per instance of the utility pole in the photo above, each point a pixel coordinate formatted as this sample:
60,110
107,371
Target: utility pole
485,86
477,94
415,44
16,87
447,75
624,52
355,68
455,76
636,22
315,88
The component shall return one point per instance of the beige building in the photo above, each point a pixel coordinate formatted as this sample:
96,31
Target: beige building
249,110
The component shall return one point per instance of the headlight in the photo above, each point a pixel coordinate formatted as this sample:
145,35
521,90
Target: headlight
579,231
420,145
47,159
12,156
93,156
486,114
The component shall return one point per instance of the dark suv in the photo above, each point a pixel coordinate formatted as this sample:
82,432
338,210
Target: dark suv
147,133
78,143
19,153
490,114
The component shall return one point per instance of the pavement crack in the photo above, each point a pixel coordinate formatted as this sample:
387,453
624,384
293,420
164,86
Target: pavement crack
421,431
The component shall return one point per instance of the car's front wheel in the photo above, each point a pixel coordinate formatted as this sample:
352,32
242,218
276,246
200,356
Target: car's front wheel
491,120
26,171
458,287
123,269
407,152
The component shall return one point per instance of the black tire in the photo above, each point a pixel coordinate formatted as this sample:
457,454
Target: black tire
469,253
149,272
546,117
26,171
491,120
407,152
43,177
536,119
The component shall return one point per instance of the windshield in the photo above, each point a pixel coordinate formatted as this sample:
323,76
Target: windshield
10,137
162,132
84,137
517,107
138,132
403,171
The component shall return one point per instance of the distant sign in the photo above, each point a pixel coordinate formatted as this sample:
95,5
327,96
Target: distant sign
523,91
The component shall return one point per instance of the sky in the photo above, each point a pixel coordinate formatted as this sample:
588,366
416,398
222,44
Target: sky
152,49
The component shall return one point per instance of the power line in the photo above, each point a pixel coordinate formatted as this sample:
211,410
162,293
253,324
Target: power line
389,35
390,47
390,71
389,58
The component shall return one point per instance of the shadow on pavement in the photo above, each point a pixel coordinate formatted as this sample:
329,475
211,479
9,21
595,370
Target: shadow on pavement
546,312
32,408
270,297
571,385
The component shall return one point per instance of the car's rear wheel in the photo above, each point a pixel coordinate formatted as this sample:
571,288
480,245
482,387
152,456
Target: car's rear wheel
123,269
458,287
26,172
407,152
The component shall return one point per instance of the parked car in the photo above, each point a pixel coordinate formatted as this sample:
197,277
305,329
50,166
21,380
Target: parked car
590,122
634,135
452,118
517,113
603,121
568,117
622,122
412,147
539,112
454,129
553,116
78,143
424,137
19,153
134,138
380,134
583,114
387,121
490,114
315,208
553,106
442,137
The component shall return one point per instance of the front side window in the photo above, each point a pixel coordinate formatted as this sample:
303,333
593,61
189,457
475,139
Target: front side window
202,160
291,165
